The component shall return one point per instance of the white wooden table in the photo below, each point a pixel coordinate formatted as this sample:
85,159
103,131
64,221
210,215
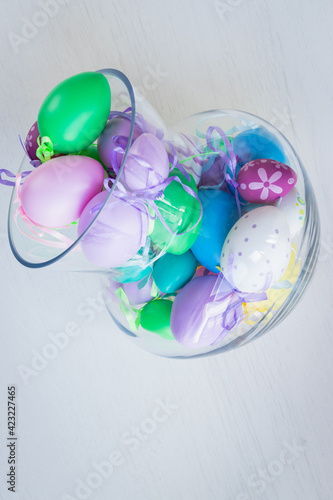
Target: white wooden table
255,423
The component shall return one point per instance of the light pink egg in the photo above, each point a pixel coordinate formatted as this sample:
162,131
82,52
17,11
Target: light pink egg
56,193
265,181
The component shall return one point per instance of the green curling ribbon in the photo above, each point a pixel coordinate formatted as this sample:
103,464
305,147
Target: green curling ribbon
45,149
131,314
155,292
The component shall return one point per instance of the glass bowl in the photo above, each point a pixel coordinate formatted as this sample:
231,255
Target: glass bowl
198,150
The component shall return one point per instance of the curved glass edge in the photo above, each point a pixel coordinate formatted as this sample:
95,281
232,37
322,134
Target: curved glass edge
310,238
35,265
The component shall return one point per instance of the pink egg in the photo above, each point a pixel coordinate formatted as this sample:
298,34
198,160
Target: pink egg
55,194
265,181
116,235
148,163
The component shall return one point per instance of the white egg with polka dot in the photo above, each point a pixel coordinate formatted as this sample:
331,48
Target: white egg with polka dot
257,250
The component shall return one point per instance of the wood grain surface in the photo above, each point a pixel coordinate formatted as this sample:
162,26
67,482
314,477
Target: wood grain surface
255,423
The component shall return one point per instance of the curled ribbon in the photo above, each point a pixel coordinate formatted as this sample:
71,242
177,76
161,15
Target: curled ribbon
131,314
228,157
34,163
148,196
45,149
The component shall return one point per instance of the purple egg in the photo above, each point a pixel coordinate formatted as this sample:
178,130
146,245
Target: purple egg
31,143
147,164
198,317
115,133
214,175
137,295
265,181
116,235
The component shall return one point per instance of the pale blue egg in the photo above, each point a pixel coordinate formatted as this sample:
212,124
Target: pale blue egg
258,143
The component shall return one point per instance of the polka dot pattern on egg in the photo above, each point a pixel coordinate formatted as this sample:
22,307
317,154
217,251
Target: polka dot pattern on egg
253,257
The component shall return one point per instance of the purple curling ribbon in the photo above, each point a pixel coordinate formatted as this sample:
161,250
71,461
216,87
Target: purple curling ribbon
34,163
229,159
5,182
148,196
8,173
218,292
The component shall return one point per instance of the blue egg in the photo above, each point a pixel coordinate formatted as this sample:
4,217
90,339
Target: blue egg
258,143
171,272
219,215
130,274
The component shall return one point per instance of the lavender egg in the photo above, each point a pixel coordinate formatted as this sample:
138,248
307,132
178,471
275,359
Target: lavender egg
199,316
147,164
265,181
115,133
117,233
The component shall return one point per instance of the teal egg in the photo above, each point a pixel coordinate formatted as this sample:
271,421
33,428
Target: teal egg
171,272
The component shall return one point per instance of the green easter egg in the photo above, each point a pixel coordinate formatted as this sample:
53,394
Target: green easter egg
92,152
75,112
180,211
155,317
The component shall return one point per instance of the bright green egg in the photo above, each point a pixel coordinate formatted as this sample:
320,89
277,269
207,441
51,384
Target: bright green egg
155,317
92,152
75,112
180,211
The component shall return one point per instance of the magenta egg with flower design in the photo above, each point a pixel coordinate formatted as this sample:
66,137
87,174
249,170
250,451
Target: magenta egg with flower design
265,181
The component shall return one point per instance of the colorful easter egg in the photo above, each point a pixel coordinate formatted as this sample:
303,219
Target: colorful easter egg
92,152
294,209
75,112
213,171
181,213
115,134
147,164
248,207
265,181
139,292
56,193
204,311
257,143
155,317
203,271
171,272
117,233
31,143
257,250
219,215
